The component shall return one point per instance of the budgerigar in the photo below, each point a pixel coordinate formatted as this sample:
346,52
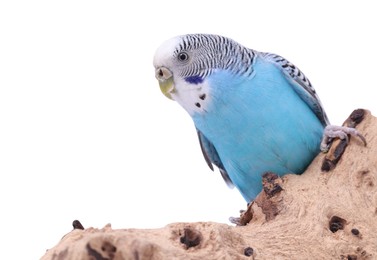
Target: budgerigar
254,112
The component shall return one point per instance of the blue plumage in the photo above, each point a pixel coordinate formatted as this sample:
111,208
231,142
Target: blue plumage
259,124
254,112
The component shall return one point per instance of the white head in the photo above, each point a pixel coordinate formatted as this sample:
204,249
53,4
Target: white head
183,63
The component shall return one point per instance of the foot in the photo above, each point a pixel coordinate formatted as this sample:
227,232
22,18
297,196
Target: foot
341,132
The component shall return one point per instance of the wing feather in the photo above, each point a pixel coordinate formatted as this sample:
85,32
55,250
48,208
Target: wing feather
301,85
212,157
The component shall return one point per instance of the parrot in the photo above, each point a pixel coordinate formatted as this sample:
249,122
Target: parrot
254,112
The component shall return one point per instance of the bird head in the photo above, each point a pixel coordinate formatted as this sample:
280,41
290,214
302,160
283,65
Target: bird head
184,63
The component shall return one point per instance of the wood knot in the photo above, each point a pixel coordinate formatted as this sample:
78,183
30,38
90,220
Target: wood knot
106,252
336,223
77,225
191,237
249,251
271,185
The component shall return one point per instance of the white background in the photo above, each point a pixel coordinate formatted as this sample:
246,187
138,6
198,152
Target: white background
86,134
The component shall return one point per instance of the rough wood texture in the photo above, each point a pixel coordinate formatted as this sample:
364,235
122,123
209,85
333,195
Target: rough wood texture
318,215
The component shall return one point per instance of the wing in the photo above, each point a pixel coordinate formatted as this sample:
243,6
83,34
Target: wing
301,85
212,157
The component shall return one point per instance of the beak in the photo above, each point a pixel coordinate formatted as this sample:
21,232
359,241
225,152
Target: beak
165,79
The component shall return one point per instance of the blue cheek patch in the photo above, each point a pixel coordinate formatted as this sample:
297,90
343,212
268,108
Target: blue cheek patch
194,79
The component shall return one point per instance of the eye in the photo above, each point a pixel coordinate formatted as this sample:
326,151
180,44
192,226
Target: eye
183,56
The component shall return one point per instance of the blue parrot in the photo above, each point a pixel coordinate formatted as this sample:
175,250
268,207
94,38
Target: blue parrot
254,112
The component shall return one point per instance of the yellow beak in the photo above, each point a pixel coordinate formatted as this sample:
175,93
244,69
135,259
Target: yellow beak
165,80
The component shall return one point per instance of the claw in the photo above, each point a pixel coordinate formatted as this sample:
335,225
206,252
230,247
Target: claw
362,138
341,132
335,139
235,220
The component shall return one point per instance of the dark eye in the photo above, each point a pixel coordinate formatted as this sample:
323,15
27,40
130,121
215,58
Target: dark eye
183,56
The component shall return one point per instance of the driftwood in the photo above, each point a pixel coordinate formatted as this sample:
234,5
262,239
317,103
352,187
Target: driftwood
329,212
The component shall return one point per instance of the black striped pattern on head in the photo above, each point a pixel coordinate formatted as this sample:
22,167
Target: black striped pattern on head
209,52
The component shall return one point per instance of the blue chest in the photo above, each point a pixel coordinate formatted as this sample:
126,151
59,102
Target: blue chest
258,124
